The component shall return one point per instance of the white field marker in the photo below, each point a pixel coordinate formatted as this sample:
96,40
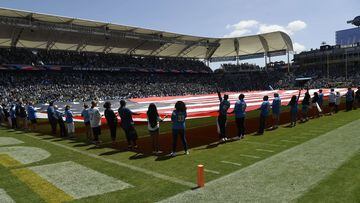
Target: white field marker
9,141
260,143
265,150
232,163
119,163
211,171
4,197
249,156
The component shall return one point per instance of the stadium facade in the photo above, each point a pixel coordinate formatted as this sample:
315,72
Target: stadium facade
24,29
348,36
331,59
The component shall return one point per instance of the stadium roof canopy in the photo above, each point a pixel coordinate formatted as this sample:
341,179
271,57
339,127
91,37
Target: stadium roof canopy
43,31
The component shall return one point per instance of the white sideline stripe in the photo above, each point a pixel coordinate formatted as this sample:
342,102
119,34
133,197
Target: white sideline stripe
232,163
289,141
77,180
9,141
285,176
135,168
211,171
249,156
261,143
25,155
4,197
264,150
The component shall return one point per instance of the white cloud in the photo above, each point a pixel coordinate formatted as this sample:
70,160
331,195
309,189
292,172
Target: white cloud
238,33
241,28
298,47
296,25
271,28
245,24
252,26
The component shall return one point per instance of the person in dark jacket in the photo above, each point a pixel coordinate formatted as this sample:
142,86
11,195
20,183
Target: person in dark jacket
60,121
305,106
294,109
315,103
22,115
154,126
12,112
264,113
111,120
127,124
349,99
222,117
53,119
357,97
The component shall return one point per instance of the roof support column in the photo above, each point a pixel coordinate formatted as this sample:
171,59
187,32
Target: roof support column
236,46
265,57
288,60
16,36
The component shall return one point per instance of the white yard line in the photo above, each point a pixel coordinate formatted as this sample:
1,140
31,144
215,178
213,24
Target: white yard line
262,143
211,171
4,197
249,156
232,163
265,150
135,168
284,177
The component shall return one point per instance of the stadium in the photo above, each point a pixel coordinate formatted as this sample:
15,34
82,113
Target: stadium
92,111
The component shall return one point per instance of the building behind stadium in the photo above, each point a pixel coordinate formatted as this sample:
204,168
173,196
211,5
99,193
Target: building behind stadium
342,58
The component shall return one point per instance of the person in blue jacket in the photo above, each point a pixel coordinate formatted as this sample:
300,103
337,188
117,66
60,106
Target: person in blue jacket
276,110
31,113
69,120
239,110
294,109
178,118
264,113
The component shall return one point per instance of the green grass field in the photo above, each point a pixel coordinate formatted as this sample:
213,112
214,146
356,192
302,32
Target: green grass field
318,161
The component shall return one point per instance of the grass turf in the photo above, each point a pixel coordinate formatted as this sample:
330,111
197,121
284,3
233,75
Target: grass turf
149,188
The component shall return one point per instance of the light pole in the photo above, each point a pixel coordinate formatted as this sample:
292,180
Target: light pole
346,65
327,65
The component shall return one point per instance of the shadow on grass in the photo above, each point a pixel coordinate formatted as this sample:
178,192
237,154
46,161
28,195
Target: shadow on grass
139,156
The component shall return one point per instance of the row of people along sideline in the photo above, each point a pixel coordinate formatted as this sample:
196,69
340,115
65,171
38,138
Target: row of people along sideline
178,116
92,117
315,104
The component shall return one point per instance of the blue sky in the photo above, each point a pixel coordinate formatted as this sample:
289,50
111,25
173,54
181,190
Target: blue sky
308,21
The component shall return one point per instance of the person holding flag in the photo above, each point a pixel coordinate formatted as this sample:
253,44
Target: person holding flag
264,112
276,106
239,109
222,117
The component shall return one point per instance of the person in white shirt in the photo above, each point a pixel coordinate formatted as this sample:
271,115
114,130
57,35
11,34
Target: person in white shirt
332,100
337,101
95,122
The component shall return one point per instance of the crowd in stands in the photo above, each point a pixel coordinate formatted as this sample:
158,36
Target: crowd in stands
45,86
229,67
70,86
97,60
